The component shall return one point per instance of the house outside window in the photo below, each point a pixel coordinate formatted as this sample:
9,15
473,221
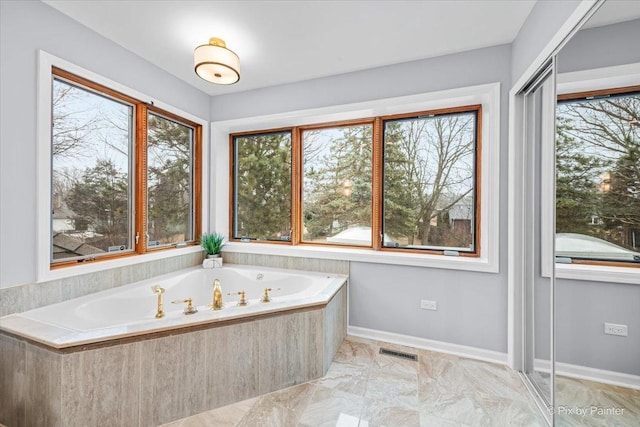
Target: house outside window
429,184
124,175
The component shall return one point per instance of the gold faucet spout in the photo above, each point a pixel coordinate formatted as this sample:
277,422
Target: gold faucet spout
217,304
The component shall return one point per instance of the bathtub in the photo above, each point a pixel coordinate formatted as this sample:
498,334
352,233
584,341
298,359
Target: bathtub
108,347
129,311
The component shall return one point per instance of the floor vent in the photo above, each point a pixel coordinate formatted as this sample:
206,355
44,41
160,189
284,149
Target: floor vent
399,354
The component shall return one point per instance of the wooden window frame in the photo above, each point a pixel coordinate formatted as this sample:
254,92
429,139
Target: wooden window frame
299,177
477,187
232,173
595,94
139,181
376,186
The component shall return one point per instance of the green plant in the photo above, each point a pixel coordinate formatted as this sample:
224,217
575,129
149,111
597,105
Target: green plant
212,242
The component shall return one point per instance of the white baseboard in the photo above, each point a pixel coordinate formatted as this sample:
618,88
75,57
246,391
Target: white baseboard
591,374
564,369
431,345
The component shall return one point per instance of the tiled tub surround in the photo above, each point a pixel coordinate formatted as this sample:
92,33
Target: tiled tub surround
131,310
16,299
331,266
157,379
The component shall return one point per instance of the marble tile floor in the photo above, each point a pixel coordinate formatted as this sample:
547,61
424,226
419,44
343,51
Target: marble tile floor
588,403
364,388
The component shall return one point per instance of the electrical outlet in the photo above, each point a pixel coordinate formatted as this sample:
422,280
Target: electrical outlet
428,305
613,329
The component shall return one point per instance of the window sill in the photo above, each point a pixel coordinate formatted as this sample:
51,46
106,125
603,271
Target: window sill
480,264
598,273
95,266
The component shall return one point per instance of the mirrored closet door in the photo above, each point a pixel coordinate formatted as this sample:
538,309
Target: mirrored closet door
539,114
577,261
597,216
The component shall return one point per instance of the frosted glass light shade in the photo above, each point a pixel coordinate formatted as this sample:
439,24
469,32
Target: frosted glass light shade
216,64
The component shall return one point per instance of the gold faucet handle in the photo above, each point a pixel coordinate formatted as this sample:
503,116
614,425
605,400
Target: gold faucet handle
189,309
243,297
266,297
158,290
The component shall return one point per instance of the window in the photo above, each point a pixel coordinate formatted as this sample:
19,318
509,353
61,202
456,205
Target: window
170,179
598,176
429,183
262,191
91,144
405,182
124,175
336,184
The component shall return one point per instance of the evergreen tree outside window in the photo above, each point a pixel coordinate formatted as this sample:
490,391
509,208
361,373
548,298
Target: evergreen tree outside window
262,186
92,141
336,183
392,183
124,174
170,201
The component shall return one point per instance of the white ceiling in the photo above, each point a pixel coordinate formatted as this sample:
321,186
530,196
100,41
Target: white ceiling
285,41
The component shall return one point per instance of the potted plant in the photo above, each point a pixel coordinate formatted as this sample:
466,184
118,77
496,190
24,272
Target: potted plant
212,244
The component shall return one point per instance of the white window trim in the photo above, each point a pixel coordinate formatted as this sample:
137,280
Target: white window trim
582,81
43,172
488,95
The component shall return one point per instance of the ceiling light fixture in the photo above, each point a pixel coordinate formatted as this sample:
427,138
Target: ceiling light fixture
217,64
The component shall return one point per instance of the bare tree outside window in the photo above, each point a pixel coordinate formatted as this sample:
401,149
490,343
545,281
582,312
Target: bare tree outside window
429,181
598,177
91,142
403,182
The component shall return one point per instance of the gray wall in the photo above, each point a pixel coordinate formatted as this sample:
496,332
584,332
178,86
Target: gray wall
582,308
445,72
25,27
541,25
599,47
472,306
